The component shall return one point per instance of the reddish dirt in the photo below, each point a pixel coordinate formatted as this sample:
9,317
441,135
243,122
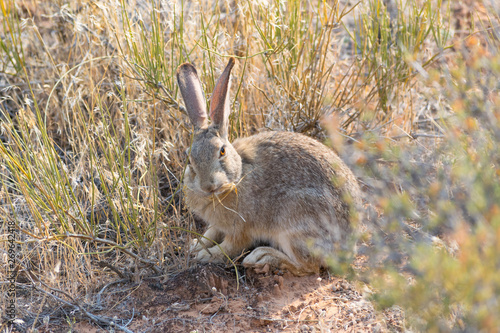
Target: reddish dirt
207,298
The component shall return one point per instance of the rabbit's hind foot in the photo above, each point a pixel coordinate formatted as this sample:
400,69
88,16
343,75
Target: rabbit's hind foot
277,259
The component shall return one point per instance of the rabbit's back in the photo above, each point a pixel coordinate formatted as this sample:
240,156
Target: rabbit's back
292,181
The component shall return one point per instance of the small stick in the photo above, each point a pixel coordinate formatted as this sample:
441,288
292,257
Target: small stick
96,319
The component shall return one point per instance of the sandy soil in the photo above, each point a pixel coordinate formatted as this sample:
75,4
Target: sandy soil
208,298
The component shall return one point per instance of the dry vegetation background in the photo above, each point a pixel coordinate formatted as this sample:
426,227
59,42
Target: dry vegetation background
92,141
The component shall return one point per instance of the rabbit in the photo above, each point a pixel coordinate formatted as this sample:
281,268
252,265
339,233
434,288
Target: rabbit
286,193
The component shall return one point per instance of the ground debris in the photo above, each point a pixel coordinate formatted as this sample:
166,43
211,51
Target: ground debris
209,296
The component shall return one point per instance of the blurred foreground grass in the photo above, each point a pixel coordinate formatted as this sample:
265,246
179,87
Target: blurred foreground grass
92,136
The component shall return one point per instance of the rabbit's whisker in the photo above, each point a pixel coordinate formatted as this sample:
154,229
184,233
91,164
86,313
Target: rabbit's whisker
239,181
229,209
227,192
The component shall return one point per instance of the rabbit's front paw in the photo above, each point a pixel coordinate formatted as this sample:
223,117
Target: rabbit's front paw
213,255
208,240
196,246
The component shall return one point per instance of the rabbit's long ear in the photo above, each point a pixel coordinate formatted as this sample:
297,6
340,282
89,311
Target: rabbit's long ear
192,94
219,105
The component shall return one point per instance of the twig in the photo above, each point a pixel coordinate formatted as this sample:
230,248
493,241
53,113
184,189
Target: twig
122,248
419,234
94,318
413,136
98,296
104,264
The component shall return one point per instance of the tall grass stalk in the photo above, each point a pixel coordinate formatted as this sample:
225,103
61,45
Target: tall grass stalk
395,39
12,60
76,176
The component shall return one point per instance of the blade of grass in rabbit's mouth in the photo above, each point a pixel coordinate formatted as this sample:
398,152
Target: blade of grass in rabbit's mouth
226,189
230,187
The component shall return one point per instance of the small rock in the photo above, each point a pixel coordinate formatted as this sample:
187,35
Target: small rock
276,290
279,280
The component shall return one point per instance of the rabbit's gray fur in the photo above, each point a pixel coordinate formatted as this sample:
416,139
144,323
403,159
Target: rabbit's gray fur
282,189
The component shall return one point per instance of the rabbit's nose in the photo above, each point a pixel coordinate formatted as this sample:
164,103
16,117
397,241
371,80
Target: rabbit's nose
211,188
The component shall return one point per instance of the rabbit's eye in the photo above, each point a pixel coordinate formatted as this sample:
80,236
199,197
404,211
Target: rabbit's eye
222,151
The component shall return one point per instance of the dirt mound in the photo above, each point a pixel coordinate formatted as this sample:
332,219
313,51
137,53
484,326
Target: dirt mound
210,298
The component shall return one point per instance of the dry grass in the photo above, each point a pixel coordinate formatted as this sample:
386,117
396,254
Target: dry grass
93,138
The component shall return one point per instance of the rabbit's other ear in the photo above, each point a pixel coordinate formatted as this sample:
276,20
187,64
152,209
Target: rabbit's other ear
192,94
219,106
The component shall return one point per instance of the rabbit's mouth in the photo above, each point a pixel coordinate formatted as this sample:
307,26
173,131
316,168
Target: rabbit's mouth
220,192
224,189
